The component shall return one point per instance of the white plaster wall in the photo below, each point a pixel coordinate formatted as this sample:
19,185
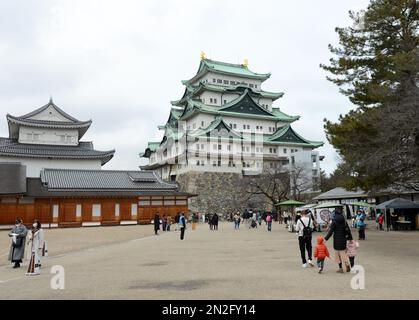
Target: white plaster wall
265,102
34,166
48,136
49,114
208,78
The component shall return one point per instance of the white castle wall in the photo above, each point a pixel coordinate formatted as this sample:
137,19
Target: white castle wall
34,166
48,136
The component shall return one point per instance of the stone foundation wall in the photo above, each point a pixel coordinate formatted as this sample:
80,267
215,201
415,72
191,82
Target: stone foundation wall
218,192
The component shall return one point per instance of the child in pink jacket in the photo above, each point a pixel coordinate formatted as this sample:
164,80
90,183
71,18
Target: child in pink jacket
352,250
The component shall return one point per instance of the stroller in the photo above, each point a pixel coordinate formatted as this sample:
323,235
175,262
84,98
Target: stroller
253,224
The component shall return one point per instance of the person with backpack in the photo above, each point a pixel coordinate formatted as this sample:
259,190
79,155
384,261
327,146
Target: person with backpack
341,233
304,228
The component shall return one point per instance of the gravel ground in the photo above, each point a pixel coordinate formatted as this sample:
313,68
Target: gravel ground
131,263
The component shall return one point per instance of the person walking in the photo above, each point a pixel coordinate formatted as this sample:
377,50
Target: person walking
237,220
380,221
259,218
169,223
304,228
320,253
341,233
361,225
215,221
182,222
36,242
164,222
352,250
269,221
17,248
156,224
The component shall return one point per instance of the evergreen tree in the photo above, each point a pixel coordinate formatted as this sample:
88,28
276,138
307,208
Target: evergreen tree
377,67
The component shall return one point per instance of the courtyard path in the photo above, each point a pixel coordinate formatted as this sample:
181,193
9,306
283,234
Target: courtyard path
130,263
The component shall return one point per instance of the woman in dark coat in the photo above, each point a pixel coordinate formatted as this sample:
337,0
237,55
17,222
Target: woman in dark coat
341,233
215,221
156,223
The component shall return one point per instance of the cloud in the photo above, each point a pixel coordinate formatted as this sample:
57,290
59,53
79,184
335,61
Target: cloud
120,63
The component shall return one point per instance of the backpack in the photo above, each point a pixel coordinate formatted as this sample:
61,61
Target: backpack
307,231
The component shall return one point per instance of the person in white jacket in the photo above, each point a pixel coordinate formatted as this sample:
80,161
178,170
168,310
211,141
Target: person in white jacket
304,228
37,249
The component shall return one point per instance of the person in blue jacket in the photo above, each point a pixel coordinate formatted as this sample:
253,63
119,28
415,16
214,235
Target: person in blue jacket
360,223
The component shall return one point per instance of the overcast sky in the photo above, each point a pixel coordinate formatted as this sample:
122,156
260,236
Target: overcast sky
120,63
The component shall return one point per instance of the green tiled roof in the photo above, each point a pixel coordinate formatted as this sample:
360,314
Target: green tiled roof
243,106
235,89
240,70
286,134
153,146
231,68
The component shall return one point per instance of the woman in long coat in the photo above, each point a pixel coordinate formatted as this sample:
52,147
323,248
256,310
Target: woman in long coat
341,233
17,248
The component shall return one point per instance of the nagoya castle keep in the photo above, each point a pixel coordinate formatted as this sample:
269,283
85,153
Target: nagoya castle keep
225,130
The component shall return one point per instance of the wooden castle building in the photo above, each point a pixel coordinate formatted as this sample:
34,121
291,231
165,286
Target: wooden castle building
47,173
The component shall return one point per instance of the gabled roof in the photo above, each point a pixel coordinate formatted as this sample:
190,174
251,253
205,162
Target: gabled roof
84,150
239,70
243,106
286,134
30,120
217,128
55,107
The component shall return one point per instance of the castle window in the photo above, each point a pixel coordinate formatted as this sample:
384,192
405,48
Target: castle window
219,81
202,124
225,81
256,85
211,100
285,150
213,80
251,85
232,83
215,100
225,101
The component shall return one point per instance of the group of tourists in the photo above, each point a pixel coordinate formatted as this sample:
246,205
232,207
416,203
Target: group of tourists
213,221
37,243
344,245
252,219
166,223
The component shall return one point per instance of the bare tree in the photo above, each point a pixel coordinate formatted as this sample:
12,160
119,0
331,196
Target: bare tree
275,185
